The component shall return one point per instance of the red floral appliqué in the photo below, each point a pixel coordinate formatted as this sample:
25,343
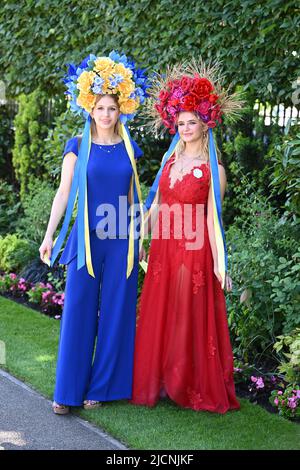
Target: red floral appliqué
195,398
156,269
211,348
198,280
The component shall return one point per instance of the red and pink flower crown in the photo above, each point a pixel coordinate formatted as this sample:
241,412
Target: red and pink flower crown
189,94
192,87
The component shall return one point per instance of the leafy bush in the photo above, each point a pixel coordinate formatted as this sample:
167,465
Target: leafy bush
50,301
31,129
6,141
37,207
264,266
9,208
285,178
287,401
42,294
15,253
65,126
289,347
245,147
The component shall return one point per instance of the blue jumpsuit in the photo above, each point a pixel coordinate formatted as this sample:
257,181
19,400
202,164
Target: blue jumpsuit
97,331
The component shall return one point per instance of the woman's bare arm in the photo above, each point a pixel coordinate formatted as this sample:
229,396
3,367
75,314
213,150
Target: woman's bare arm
59,204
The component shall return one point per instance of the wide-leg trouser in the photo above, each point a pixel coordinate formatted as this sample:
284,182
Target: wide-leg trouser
95,354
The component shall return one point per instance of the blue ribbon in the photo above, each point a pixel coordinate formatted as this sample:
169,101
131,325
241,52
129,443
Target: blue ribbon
78,184
154,187
70,206
83,159
217,191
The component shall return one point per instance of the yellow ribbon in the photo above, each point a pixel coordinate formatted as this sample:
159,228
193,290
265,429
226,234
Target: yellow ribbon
135,178
219,239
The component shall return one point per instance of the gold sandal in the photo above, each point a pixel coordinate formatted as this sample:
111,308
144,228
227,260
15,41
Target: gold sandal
60,409
91,404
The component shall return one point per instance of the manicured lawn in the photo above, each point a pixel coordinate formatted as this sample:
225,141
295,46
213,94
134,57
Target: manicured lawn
31,341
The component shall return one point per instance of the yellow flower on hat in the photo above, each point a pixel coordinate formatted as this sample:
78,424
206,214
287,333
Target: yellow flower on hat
126,87
85,81
128,106
103,64
86,100
125,72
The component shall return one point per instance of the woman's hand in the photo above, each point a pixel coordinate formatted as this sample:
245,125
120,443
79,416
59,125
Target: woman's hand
228,280
217,273
228,283
46,248
142,254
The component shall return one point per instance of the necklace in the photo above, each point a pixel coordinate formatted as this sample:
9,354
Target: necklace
104,147
189,160
188,163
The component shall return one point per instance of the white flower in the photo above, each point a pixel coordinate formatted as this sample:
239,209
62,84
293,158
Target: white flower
197,173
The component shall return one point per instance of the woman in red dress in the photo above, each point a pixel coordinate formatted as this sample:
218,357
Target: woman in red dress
182,347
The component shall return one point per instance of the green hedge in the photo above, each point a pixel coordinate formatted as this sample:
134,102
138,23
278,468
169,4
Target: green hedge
256,40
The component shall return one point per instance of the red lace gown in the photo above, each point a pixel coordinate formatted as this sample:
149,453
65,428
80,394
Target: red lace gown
182,346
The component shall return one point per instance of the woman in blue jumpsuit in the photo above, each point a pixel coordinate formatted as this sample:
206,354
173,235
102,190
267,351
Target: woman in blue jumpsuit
104,306
95,354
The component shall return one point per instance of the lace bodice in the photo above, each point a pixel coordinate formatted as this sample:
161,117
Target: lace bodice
193,188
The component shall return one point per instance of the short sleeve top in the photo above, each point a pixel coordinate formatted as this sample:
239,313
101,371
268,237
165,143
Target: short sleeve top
109,173
72,146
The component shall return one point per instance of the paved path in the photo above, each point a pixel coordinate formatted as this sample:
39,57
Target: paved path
27,422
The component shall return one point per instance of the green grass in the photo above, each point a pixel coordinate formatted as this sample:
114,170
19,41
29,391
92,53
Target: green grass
31,341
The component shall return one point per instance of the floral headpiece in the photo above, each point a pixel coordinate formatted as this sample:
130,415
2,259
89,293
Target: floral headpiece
197,88
115,74
192,87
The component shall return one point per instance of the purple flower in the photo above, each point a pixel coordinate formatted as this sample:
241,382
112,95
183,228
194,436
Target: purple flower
13,276
178,93
279,392
292,403
276,401
260,383
253,378
236,369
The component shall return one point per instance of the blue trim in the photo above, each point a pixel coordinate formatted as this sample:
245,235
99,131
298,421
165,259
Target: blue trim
217,191
154,187
83,158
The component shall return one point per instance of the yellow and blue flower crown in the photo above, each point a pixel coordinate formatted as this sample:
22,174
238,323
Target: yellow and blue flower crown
115,75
